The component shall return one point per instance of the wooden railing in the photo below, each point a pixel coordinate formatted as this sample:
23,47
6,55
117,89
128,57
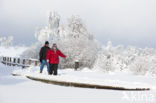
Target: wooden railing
26,62
23,62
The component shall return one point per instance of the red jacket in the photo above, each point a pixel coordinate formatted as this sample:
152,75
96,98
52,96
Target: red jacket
54,57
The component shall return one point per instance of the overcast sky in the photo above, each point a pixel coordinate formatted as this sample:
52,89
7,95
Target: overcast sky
127,22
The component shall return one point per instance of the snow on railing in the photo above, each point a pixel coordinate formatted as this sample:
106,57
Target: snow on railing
23,62
27,62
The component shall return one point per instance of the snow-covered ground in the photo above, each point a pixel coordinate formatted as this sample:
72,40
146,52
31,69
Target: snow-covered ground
18,89
22,90
87,76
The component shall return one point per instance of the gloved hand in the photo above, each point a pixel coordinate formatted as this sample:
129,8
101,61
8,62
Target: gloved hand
48,61
65,58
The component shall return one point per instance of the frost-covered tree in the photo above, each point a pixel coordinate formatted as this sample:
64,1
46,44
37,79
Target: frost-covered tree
132,59
73,39
43,34
52,31
78,44
77,29
6,42
85,51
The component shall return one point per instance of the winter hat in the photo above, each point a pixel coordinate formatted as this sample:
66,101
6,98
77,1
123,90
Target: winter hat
54,45
46,42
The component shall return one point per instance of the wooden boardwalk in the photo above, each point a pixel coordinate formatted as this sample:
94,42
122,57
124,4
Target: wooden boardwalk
85,85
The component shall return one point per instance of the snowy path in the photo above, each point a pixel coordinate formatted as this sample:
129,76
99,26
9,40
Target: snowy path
88,79
120,86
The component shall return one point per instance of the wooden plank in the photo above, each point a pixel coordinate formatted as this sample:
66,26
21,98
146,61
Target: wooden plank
85,85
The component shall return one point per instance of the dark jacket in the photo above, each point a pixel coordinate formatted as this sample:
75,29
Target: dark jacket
43,53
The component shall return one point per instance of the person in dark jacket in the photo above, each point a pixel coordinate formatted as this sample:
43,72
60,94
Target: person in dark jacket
43,55
53,58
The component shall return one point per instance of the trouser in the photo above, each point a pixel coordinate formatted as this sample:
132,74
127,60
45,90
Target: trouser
44,62
53,69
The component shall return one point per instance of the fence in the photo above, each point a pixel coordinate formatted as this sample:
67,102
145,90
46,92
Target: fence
25,62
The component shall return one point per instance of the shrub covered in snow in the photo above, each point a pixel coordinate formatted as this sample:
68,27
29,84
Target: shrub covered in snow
32,51
137,60
6,42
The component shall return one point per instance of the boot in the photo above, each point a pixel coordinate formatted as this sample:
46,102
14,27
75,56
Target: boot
40,71
49,73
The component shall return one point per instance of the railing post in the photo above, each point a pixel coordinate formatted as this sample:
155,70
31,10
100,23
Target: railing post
18,61
76,64
29,62
4,60
36,62
14,62
23,63
8,59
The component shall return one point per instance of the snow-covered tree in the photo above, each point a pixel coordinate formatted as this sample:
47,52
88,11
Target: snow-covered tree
73,39
137,60
52,31
6,42
78,44
77,29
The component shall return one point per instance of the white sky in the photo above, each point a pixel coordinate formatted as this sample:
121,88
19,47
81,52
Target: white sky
127,22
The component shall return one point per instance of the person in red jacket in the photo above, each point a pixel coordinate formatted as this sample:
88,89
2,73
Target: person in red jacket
53,59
